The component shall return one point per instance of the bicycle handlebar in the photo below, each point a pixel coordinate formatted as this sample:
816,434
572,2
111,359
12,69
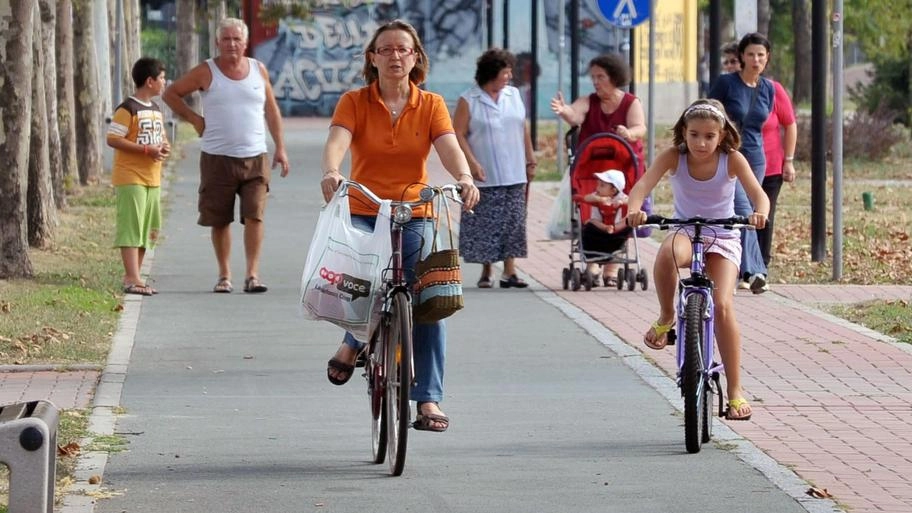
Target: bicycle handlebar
427,194
664,223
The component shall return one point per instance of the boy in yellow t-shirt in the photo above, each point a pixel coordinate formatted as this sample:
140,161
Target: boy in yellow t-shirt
137,134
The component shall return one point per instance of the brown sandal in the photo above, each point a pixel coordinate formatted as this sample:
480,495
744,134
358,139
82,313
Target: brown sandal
254,285
223,286
427,421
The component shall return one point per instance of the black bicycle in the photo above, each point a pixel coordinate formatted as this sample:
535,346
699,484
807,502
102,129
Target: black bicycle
388,365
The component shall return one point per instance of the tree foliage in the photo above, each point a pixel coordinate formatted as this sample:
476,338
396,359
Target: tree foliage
884,33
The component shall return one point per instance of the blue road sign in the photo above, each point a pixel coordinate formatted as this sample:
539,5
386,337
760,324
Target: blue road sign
624,13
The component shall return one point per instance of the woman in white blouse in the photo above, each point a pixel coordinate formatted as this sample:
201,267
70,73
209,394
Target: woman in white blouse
490,124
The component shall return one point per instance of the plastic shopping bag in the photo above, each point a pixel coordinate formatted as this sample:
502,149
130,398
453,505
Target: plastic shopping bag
342,275
559,220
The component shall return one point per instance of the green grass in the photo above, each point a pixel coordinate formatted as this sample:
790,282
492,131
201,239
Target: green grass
892,318
68,311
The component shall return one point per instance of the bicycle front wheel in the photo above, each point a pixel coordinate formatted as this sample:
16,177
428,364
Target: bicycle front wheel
376,391
693,379
398,381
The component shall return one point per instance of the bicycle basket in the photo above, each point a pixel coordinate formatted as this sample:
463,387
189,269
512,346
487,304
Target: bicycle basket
438,286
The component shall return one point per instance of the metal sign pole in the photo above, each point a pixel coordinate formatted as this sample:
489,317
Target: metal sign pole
837,138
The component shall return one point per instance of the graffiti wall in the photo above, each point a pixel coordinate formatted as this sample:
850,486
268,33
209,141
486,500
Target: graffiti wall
313,62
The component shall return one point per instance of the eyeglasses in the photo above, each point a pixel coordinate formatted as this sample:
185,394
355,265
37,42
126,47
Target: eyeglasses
386,51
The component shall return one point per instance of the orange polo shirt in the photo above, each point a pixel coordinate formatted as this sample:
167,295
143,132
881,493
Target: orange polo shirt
388,157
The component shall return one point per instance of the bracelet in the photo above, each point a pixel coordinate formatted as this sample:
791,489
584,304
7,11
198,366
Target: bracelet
466,174
789,159
531,164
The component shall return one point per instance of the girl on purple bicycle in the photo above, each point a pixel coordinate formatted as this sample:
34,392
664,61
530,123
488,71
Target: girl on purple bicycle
702,168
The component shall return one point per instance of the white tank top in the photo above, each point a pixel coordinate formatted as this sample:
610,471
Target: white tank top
235,113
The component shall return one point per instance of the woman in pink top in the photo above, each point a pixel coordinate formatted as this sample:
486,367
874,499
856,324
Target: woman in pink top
780,135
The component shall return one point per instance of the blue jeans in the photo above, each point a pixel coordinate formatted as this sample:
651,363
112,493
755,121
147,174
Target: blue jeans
429,340
751,257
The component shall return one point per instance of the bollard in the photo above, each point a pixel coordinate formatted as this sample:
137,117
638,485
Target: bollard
28,446
868,199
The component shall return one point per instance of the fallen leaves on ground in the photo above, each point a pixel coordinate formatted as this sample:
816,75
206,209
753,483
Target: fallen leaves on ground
818,493
69,450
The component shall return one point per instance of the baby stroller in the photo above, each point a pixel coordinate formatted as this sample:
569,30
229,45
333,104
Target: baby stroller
597,153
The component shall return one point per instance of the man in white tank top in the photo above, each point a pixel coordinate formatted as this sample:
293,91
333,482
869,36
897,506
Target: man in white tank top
238,107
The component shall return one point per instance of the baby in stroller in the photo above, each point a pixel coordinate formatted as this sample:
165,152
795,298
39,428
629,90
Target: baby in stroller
606,230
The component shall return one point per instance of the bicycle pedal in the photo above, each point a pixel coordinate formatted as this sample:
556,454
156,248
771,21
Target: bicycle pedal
671,337
361,361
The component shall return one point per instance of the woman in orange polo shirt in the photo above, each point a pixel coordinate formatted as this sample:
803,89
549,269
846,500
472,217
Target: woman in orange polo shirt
389,126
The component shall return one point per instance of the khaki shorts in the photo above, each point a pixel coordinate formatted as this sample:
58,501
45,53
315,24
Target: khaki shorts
222,178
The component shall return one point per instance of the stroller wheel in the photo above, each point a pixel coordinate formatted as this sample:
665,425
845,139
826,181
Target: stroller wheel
565,278
631,279
620,279
588,280
575,279
643,278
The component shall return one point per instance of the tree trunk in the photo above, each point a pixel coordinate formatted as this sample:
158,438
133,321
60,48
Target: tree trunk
15,113
101,43
187,42
763,17
49,29
131,41
66,103
218,11
41,210
801,30
88,101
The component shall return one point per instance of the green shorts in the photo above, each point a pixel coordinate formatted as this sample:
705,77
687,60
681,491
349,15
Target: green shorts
138,216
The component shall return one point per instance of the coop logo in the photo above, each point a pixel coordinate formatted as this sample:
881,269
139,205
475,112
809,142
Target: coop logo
356,287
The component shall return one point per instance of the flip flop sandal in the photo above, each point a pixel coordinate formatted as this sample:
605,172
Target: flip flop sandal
661,334
339,365
254,285
223,286
139,290
734,406
485,282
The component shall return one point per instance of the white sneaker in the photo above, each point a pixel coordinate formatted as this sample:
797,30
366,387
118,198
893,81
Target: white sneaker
743,285
758,284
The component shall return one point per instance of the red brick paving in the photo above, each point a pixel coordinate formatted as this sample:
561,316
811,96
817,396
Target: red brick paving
66,389
830,401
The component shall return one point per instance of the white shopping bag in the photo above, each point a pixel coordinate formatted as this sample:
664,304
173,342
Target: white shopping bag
342,275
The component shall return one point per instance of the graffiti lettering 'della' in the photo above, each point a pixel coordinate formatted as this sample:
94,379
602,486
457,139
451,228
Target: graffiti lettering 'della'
351,285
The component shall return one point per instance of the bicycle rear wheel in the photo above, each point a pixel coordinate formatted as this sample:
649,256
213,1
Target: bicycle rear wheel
398,381
693,379
376,391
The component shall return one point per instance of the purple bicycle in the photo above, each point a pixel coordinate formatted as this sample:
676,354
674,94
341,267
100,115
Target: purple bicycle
698,372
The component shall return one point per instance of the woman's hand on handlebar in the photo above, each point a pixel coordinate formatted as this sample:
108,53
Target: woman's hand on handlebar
468,192
329,184
758,220
636,218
